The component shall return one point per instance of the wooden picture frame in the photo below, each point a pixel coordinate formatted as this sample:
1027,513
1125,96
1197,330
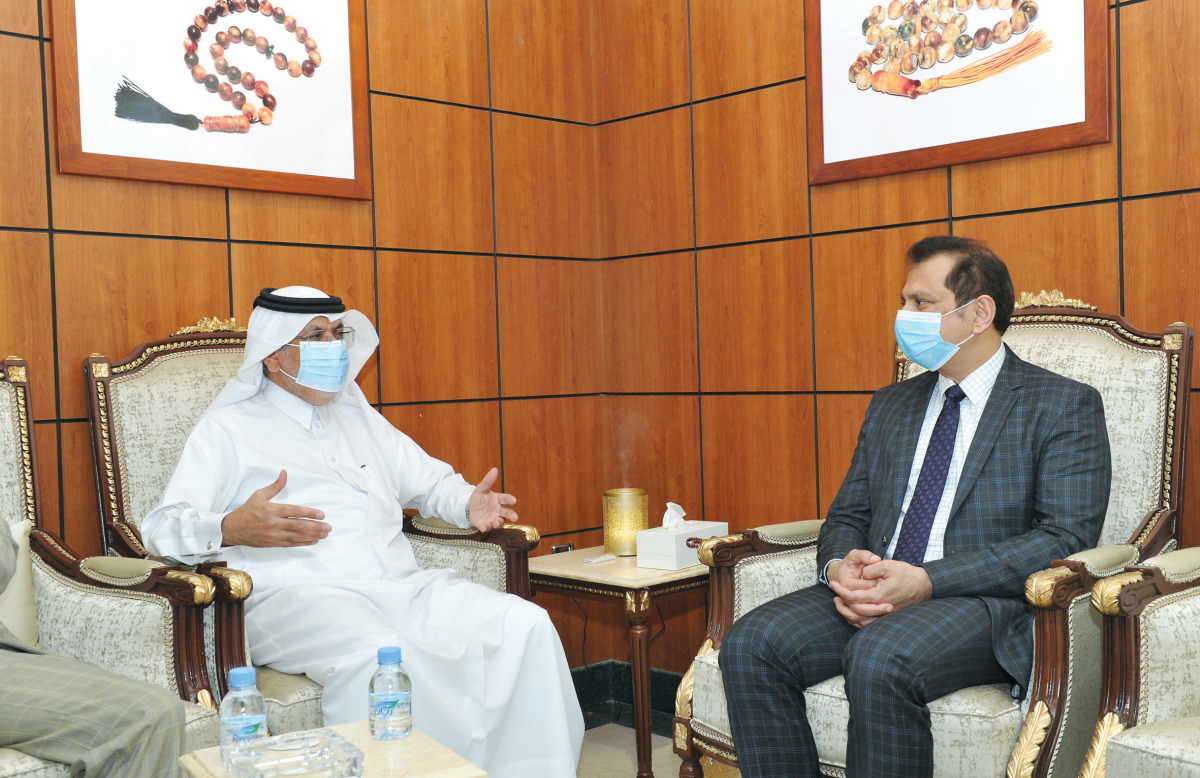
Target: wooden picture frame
318,141
1052,100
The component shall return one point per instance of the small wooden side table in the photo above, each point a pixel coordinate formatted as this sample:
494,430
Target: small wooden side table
623,580
415,756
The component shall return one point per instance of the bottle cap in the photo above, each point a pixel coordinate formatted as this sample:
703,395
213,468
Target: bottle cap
389,655
241,677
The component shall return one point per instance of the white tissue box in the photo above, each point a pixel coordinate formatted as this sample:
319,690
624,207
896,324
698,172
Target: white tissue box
665,548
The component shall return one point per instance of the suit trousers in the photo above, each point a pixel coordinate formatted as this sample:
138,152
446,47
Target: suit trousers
893,667
95,722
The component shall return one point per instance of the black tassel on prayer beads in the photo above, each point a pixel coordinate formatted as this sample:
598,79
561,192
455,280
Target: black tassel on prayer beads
136,105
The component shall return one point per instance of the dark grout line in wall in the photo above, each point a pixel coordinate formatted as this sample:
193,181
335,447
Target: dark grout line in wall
521,114
487,31
581,395
696,259
374,223
50,232
25,35
1116,130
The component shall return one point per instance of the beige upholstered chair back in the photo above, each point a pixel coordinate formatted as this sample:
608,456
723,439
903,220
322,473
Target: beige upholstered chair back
1143,379
17,485
142,411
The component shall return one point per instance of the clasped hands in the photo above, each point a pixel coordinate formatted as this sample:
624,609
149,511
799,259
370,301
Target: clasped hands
868,587
261,523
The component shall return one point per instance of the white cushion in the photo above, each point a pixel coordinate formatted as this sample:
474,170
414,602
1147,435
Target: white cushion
1165,749
974,729
17,611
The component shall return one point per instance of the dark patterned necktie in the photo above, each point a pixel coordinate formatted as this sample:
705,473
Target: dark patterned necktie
914,535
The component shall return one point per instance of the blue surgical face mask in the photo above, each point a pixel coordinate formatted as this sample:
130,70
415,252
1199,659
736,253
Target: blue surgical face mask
919,335
324,365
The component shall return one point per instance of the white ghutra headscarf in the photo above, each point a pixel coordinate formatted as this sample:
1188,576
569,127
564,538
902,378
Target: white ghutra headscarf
280,315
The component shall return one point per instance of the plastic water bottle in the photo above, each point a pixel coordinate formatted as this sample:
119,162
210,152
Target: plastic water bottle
243,715
390,697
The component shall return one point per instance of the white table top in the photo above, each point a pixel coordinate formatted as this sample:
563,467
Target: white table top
416,755
622,571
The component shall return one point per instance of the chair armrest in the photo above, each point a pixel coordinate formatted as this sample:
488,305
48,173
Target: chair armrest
1182,566
774,546
225,629
497,558
1103,561
1151,616
790,532
137,618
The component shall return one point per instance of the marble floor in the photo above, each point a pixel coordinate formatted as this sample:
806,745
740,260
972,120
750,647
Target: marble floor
608,752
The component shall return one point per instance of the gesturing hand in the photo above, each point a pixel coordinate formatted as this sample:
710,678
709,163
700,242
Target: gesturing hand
486,508
265,524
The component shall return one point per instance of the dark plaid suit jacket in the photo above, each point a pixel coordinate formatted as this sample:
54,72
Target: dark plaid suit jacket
1034,488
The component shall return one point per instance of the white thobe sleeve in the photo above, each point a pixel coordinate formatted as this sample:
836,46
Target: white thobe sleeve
423,482
186,524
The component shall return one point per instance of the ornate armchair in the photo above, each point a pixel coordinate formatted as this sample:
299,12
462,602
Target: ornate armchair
142,409
135,618
1143,378
1149,722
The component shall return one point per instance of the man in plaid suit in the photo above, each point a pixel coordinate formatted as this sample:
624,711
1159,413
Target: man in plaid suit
965,480
96,723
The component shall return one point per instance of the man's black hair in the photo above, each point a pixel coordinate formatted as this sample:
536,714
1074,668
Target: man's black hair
977,271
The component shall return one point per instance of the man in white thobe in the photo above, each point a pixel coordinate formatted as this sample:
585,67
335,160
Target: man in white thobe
293,477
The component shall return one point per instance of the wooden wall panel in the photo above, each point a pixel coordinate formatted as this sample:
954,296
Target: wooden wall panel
876,202
550,340
27,318
114,293
1160,117
1161,282
429,48
45,440
546,188
759,459
554,461
839,417
750,166
432,174
111,205
1037,180
288,218
345,273
437,326
464,435
646,192
20,16
858,277
755,318
653,443
542,53
1075,250
22,136
80,510
741,44
631,39
648,317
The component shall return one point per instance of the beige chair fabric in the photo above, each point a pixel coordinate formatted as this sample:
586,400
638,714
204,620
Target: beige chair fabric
127,633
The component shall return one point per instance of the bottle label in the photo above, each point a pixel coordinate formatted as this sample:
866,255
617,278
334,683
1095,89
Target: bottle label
390,704
245,729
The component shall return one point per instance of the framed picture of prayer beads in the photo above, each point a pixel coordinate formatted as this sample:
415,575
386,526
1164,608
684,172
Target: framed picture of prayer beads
900,85
247,94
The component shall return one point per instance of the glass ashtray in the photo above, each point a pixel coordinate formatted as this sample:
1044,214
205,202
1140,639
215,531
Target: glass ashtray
315,753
